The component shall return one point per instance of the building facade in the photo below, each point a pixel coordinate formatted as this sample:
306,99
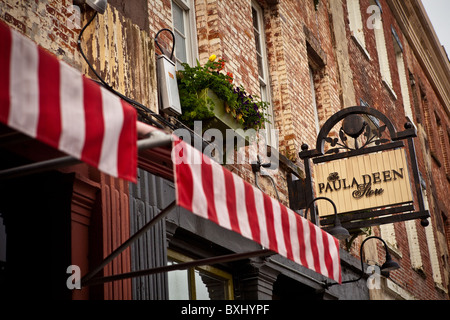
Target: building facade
309,59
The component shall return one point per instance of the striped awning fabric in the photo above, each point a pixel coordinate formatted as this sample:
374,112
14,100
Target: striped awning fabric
210,191
48,100
54,103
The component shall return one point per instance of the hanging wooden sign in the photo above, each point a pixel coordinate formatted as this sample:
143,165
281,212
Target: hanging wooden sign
363,182
360,163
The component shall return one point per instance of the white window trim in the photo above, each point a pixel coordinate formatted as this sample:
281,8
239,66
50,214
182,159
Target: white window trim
432,248
271,137
388,234
414,246
314,101
404,87
356,22
383,58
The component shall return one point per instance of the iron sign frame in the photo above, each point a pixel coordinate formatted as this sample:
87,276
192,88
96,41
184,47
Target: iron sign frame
353,127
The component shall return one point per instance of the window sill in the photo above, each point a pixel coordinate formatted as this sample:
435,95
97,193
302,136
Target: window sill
389,88
394,250
440,288
420,271
361,47
435,158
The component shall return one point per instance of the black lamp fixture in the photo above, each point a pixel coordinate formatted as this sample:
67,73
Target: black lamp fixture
388,266
338,231
98,5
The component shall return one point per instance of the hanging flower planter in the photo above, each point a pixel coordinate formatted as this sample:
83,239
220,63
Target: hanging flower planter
222,119
207,94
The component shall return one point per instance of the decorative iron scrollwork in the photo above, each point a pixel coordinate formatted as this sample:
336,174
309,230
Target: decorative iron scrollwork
354,127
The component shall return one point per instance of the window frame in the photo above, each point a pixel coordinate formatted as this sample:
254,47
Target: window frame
314,98
190,26
356,22
383,56
264,78
208,270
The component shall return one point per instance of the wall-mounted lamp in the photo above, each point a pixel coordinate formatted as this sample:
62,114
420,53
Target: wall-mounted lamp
388,266
97,5
338,231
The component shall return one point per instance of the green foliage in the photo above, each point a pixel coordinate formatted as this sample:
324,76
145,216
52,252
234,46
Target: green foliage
192,81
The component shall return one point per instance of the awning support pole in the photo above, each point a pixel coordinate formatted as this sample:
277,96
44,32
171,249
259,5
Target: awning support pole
149,143
38,167
181,266
127,243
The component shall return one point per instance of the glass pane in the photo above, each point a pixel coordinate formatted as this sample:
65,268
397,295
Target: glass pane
178,18
178,284
180,47
263,92
255,19
258,42
260,66
208,287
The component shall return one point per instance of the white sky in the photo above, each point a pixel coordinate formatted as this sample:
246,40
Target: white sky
438,11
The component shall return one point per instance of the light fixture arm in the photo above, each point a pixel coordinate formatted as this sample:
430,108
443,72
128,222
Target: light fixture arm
173,39
308,207
337,231
388,258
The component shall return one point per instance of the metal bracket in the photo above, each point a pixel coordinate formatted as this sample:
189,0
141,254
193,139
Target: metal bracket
89,280
180,266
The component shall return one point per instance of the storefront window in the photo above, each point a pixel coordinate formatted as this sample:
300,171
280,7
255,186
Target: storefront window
201,283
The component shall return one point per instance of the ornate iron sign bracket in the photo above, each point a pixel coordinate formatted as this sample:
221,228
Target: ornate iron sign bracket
358,131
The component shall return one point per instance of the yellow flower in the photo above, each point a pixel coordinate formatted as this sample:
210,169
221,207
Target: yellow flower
213,58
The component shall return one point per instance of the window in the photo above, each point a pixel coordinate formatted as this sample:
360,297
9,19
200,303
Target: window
388,234
430,127
445,150
319,80
414,246
402,76
263,69
383,56
355,21
183,15
200,283
443,144
314,99
432,248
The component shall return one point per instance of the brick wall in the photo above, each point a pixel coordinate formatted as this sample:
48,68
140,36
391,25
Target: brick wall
297,36
225,29
52,24
370,88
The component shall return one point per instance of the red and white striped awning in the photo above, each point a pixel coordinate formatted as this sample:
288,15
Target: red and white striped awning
48,100
210,191
54,103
